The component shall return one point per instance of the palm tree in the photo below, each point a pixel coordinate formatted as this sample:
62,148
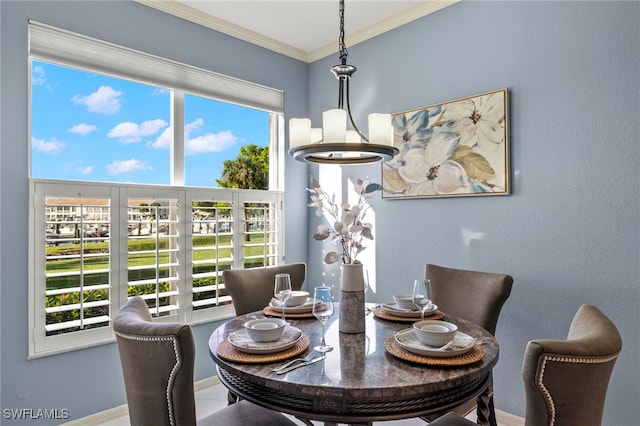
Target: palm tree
249,171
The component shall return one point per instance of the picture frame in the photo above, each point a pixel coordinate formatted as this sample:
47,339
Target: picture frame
451,149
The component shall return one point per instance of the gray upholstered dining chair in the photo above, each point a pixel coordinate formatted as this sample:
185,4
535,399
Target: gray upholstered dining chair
474,296
157,362
566,381
252,289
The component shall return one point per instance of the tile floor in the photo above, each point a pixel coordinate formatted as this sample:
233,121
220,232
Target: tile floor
213,398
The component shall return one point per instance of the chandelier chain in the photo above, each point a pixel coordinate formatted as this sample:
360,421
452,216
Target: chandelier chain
341,45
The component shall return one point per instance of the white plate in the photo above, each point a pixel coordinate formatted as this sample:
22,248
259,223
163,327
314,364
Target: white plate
407,340
241,341
394,310
301,309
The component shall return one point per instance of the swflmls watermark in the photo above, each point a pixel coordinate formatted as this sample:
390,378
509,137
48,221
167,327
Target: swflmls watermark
35,413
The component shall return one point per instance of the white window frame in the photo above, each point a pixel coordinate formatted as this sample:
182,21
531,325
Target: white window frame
65,48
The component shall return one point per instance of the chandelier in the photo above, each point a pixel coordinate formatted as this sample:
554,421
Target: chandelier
333,143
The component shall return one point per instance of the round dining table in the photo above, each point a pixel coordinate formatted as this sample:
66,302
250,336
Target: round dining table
363,379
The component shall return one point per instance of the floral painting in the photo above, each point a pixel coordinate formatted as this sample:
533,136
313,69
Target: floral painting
457,148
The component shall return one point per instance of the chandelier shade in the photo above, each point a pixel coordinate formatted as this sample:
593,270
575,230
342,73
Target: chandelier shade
334,143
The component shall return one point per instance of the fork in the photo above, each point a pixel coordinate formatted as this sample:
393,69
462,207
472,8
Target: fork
309,357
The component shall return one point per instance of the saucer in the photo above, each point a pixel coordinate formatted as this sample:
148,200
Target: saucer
394,310
300,309
407,341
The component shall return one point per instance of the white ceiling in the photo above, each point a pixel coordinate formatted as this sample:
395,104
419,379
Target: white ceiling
303,29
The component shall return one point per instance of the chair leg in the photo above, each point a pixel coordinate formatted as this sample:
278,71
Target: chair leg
231,398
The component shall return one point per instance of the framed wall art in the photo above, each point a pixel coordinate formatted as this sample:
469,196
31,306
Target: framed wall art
457,148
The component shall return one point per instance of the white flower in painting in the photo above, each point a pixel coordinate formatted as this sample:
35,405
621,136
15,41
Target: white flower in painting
415,128
430,171
478,121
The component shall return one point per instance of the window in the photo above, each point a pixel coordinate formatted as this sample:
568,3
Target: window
124,169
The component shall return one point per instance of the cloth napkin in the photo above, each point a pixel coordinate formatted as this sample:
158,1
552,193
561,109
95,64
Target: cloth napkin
241,339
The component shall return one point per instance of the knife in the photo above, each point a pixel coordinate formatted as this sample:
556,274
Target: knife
293,367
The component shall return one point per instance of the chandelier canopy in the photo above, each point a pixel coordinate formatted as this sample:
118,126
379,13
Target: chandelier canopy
333,143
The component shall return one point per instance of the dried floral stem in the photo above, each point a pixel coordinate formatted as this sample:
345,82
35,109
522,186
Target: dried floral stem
348,229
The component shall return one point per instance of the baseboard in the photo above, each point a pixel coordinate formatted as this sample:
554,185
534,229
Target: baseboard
102,417
503,418
112,414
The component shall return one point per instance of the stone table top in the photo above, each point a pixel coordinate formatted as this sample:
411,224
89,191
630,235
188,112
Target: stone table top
359,381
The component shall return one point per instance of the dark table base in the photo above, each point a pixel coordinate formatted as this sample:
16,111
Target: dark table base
353,411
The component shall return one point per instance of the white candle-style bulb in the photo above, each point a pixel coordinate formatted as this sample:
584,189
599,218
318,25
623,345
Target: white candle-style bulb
380,129
299,132
391,134
316,135
334,124
353,137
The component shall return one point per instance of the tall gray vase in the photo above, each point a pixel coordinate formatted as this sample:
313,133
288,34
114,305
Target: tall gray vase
351,319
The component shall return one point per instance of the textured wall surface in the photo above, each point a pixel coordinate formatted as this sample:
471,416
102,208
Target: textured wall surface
570,232
63,381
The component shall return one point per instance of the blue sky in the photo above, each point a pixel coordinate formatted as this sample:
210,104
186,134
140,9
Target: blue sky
87,126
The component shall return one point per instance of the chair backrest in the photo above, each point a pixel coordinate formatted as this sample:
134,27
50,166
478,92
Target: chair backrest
252,289
566,381
157,362
474,296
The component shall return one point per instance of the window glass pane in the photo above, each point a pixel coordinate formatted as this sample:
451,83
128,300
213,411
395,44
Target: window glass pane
78,261
212,229
215,131
260,234
153,254
87,126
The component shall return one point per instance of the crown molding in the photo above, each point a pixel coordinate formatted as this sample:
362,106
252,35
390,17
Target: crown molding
418,11
190,14
183,11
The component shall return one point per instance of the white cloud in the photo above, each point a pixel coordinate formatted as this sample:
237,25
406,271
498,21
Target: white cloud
85,170
83,129
129,132
211,142
37,76
105,100
52,147
126,166
193,126
163,141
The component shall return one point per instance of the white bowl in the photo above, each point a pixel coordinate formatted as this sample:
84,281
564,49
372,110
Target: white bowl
434,333
297,298
404,301
265,329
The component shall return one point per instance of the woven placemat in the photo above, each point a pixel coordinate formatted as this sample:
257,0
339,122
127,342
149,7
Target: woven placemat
381,313
268,310
228,352
474,355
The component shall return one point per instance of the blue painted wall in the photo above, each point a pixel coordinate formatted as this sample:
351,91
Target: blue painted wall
569,233
90,380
